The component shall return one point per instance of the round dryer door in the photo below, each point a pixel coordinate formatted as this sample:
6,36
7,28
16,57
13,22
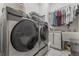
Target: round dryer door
24,35
44,33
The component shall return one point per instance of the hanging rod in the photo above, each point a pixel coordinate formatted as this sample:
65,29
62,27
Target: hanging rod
62,8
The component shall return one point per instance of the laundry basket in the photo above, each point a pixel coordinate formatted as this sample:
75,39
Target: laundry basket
74,47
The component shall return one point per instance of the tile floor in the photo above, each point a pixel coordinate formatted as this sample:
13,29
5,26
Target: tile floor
54,52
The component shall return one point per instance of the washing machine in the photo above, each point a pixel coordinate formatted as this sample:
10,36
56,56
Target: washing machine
20,35
1,32
44,37
43,33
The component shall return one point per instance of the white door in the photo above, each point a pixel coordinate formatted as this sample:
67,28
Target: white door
57,40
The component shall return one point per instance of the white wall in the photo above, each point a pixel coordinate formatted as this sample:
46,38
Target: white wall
1,6
31,7
45,10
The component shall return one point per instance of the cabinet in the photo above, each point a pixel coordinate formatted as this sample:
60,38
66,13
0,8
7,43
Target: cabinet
56,40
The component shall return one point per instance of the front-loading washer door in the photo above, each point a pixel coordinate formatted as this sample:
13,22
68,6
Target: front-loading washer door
24,35
44,33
